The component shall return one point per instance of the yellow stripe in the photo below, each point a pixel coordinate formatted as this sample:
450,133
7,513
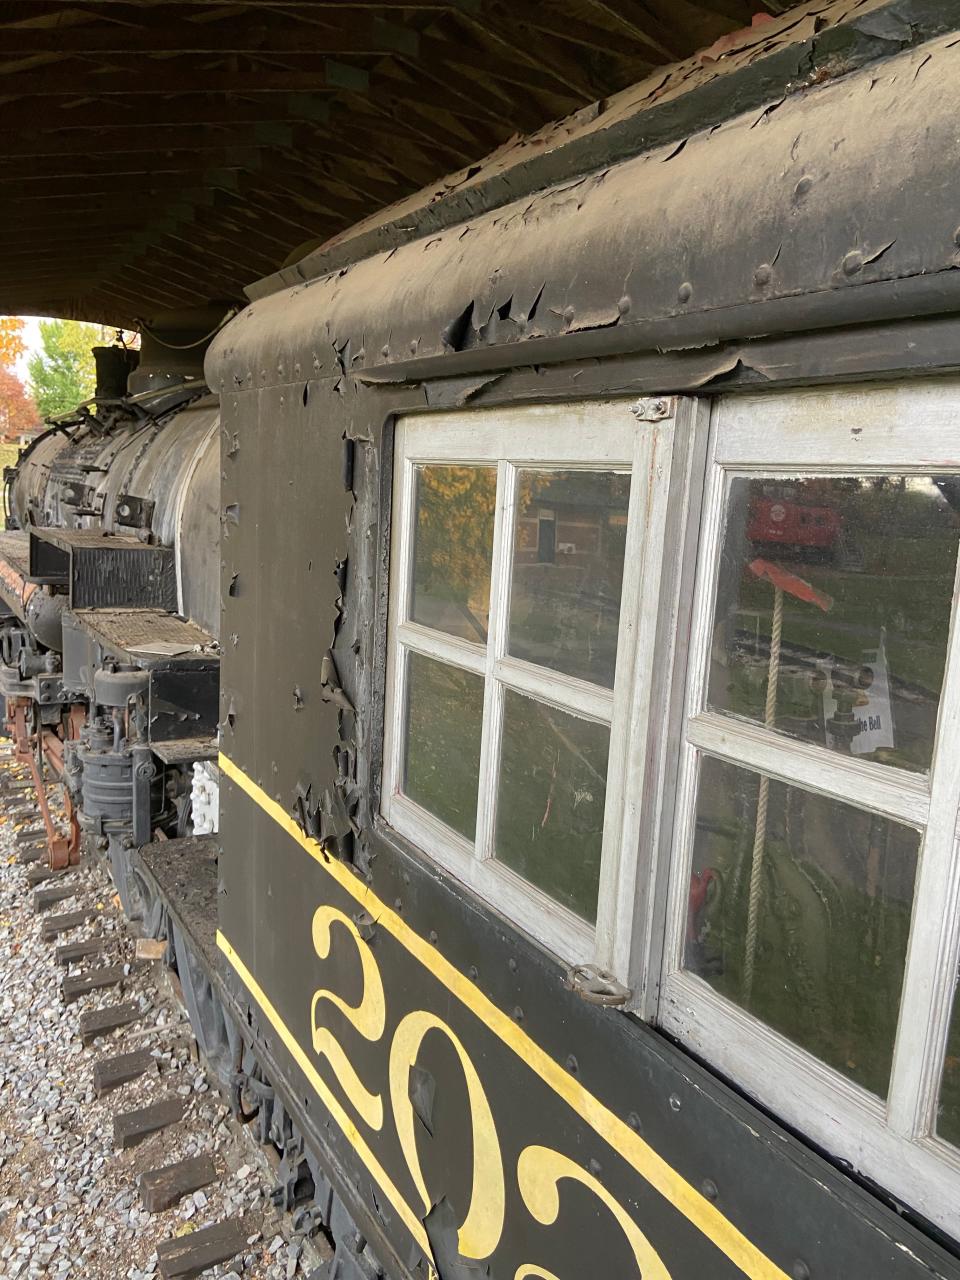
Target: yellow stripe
665,1179
352,1133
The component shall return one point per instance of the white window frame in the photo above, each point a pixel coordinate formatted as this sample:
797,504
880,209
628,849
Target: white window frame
881,429
582,435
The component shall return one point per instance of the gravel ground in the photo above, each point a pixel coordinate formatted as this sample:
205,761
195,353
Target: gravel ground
69,1204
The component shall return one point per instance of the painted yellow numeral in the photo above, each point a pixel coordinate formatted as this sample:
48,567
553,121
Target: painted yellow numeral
481,1229
539,1171
369,1017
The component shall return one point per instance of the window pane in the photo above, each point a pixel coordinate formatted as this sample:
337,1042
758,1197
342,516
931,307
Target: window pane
442,741
863,568
453,549
553,784
568,569
948,1112
832,888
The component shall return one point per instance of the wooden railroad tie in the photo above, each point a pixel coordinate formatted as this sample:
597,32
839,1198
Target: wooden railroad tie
111,1073
193,1254
131,1127
100,1022
44,899
93,980
37,875
53,926
163,1188
68,952
31,853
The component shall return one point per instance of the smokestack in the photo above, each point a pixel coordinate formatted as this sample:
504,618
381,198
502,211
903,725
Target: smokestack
114,365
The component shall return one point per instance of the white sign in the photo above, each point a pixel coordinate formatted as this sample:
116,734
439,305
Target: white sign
873,711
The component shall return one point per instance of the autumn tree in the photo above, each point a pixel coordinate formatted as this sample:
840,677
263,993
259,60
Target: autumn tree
63,372
12,345
18,413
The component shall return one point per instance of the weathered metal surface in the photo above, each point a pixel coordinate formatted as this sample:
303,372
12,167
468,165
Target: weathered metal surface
837,235
165,453
146,633
104,572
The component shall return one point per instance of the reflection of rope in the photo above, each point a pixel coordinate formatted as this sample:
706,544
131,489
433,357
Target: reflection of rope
760,835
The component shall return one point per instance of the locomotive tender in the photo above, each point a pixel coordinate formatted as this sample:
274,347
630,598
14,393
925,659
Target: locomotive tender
586,894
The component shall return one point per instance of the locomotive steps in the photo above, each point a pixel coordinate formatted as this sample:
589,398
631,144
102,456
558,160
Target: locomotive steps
117,1161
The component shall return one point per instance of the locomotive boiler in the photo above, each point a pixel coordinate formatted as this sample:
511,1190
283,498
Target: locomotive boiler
111,603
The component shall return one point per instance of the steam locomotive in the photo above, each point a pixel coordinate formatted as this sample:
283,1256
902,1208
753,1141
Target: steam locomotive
540,934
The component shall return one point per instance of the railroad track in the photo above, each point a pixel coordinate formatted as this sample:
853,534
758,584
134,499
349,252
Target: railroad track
192,1185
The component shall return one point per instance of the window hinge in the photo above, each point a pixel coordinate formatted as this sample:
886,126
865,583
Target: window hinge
654,408
597,986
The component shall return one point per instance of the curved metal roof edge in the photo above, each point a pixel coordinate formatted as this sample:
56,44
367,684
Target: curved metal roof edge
821,42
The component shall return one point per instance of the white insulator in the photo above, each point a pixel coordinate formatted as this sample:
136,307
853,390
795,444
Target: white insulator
205,797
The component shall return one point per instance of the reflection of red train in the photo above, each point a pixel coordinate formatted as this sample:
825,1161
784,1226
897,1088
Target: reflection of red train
776,523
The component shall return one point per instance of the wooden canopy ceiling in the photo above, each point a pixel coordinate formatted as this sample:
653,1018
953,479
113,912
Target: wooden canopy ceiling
159,154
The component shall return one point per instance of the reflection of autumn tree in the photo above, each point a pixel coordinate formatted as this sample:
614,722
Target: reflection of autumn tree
455,515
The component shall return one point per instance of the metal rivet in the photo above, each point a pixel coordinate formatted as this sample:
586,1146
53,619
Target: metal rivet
633,1120
803,186
763,274
473,973
709,1189
853,263
518,1014
572,1065
512,965
956,237
623,306
595,1167
675,1103
434,937
384,351
413,347
398,904
568,314
800,1270
685,292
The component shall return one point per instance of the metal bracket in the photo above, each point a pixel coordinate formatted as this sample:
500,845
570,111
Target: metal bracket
597,986
135,513
654,408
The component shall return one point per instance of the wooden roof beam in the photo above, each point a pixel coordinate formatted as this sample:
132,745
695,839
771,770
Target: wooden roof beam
190,108
73,80
102,142
35,171
436,6
360,34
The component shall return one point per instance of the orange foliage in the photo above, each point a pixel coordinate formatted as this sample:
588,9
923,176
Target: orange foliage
18,413
12,345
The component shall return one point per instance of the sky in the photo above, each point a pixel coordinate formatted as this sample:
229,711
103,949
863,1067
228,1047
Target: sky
31,336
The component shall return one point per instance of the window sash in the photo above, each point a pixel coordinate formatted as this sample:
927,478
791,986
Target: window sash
587,436
903,430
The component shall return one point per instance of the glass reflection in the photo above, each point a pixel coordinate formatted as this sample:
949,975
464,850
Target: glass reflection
948,1110
855,575
441,767
799,912
553,786
453,549
567,573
